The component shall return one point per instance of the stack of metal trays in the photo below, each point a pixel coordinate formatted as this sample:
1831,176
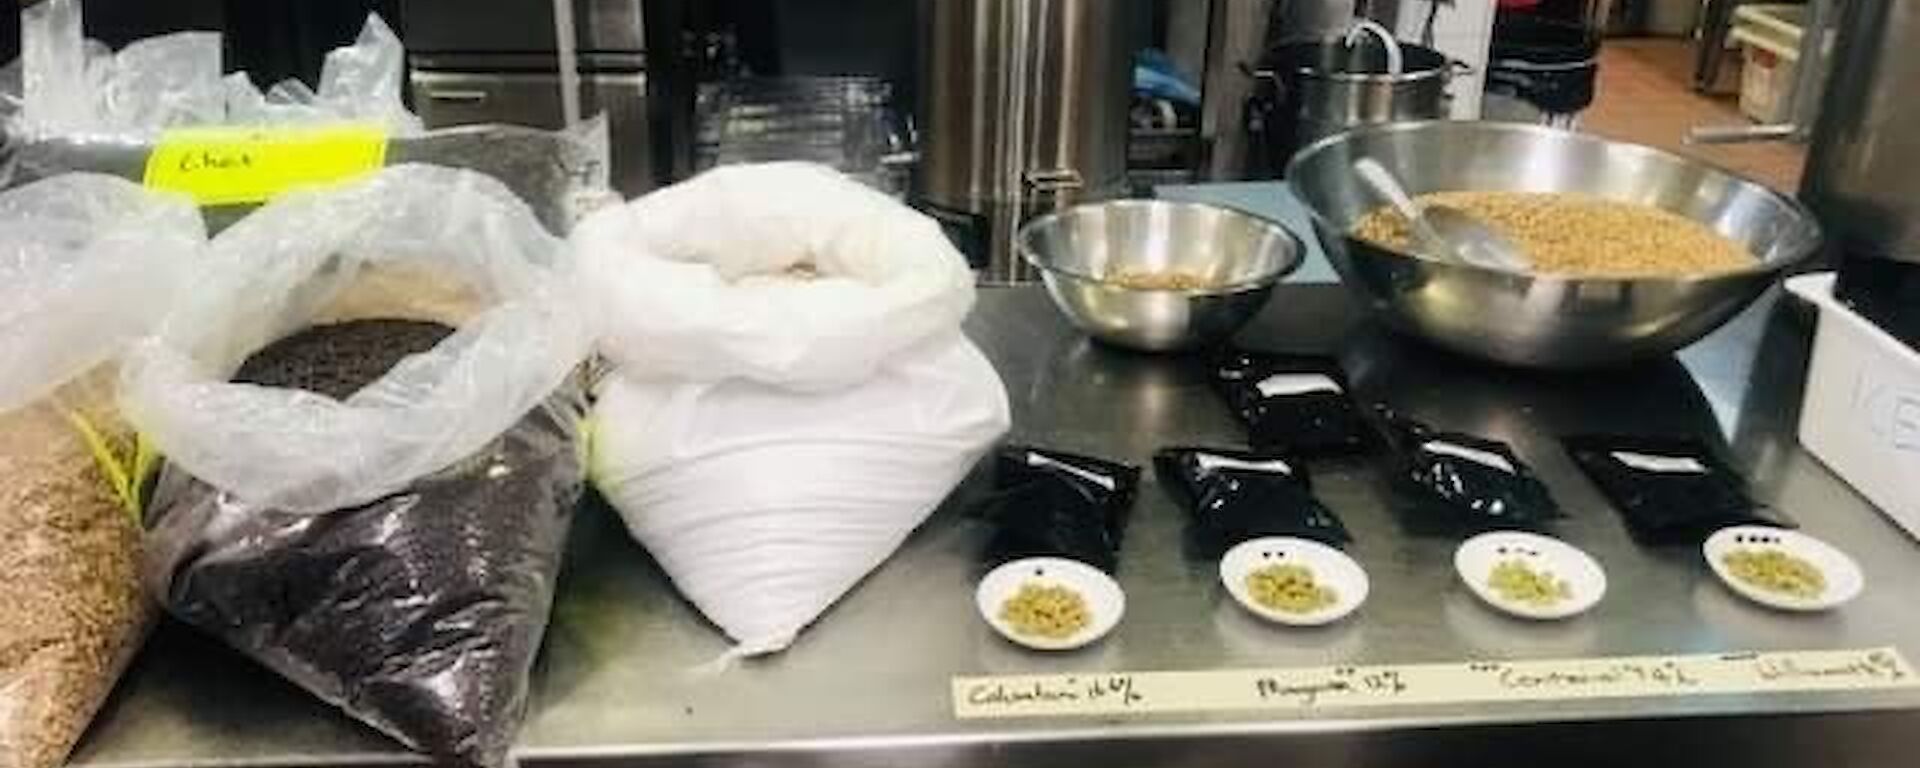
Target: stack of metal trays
848,123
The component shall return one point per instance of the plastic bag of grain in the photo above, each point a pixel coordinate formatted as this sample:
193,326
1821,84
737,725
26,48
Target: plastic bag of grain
791,393
70,104
369,411
86,262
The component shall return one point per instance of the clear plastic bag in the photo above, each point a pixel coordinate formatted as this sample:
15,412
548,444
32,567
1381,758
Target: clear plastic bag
379,518
72,85
418,613
361,82
86,263
276,269
69,105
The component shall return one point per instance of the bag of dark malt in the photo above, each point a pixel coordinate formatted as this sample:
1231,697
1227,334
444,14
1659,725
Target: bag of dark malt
420,611
369,410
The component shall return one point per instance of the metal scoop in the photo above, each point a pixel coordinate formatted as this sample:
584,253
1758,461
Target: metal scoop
1448,233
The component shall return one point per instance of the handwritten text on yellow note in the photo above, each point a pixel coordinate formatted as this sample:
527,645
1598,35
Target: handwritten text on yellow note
228,166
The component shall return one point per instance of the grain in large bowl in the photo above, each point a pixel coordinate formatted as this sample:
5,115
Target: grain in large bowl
1156,275
1545,320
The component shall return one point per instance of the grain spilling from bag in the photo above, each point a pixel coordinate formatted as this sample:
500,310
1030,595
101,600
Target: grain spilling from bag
71,608
1564,233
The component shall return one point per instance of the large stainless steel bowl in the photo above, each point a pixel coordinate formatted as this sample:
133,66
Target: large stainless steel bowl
1545,321
1239,257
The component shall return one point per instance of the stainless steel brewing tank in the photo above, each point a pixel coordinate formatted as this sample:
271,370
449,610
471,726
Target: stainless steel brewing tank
1860,175
1023,108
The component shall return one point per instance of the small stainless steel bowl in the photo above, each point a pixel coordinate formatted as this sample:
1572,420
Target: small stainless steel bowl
1545,320
1238,256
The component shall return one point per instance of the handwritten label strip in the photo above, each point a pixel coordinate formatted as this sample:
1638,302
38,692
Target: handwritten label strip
1310,688
226,166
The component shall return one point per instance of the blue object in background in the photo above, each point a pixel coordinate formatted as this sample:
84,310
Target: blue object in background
1156,77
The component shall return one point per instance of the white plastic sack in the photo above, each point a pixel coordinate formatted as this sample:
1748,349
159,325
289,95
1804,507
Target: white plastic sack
714,298
792,395
87,263
275,270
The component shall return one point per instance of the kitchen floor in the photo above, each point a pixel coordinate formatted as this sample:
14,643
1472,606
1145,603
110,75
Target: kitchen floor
1645,96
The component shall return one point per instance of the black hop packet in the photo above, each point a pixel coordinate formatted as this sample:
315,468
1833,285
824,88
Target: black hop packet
1056,504
420,612
1481,482
1234,496
1670,490
1293,404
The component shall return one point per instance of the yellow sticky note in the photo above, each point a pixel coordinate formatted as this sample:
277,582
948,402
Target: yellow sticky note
228,166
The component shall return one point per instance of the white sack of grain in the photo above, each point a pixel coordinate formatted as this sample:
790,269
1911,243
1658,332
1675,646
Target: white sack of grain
791,393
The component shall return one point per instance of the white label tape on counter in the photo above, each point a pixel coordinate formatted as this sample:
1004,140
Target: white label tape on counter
1209,462
1312,688
1475,455
1281,384
1664,464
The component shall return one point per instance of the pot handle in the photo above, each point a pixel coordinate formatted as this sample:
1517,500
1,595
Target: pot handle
1457,68
1272,77
1053,180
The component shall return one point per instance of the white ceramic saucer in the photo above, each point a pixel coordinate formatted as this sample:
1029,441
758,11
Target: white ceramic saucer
1330,567
1105,601
1475,560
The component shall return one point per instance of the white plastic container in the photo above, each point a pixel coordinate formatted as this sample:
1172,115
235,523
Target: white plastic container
1769,39
1861,413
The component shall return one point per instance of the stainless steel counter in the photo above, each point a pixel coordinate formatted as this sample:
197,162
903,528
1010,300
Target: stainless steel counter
868,685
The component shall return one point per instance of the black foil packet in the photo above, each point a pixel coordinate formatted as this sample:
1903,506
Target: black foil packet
1293,404
1670,490
1057,504
1234,496
1483,482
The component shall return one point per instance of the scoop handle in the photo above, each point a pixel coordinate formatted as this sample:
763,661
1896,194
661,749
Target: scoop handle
1386,186
1382,182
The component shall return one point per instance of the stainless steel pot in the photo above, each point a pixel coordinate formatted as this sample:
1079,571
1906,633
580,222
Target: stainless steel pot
1320,89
